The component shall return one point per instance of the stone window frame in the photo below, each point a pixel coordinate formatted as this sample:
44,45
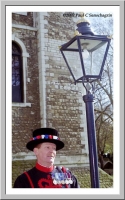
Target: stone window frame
25,55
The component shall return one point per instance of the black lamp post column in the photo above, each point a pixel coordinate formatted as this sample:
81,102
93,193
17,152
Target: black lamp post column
88,99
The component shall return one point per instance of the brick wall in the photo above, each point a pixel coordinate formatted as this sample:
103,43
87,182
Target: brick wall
55,101
65,109
25,119
21,19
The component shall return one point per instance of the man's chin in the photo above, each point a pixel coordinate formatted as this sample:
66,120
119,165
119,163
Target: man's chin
51,160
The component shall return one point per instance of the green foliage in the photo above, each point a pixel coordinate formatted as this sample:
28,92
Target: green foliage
108,148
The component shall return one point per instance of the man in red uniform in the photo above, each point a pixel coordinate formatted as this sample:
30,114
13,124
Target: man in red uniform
44,143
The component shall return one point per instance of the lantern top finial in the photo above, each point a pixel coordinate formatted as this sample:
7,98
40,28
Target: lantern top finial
83,26
82,14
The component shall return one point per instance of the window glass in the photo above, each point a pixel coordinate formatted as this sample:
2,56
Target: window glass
17,83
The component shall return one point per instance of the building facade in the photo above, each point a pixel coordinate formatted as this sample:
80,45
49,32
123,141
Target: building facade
43,91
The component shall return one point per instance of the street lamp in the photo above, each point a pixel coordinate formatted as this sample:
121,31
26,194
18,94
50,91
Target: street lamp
85,56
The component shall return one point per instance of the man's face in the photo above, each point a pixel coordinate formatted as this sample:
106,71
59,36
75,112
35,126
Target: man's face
45,153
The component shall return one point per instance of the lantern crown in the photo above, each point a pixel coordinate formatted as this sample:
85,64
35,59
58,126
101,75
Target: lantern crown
84,26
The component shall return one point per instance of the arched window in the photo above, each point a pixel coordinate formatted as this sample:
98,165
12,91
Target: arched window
17,74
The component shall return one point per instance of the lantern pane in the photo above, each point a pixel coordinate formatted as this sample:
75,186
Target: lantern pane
73,45
73,60
93,63
91,44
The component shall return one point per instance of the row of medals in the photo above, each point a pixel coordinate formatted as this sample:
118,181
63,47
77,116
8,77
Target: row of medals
61,178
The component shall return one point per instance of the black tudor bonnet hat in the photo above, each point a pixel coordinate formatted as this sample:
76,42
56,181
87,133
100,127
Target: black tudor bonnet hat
41,135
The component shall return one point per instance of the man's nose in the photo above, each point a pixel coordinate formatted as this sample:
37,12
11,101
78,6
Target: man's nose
52,151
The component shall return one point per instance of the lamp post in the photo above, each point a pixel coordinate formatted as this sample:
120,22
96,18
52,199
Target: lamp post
85,56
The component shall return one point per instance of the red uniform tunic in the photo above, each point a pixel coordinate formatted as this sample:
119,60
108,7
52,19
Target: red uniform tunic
42,177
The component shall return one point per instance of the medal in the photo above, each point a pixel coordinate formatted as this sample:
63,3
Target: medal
70,181
54,179
64,176
66,181
57,178
69,178
63,182
55,182
61,178
59,182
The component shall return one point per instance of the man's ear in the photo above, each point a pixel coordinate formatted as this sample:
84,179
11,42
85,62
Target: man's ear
35,150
